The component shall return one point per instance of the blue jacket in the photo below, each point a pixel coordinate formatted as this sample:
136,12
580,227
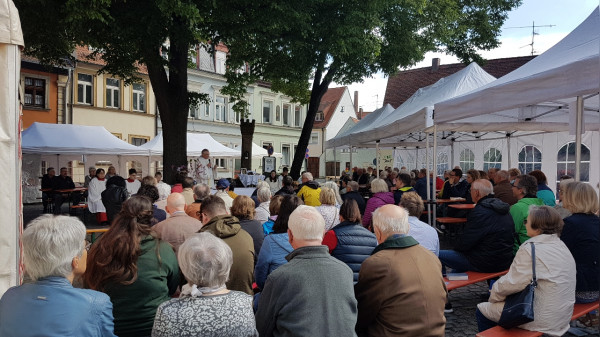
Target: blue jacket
52,307
581,235
354,245
272,255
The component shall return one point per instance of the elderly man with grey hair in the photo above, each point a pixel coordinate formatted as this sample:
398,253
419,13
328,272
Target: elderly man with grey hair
312,294
206,307
201,191
262,213
310,191
55,253
486,244
400,287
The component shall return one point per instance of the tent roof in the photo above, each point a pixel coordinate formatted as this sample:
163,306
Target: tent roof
10,24
196,142
416,113
537,93
42,138
345,137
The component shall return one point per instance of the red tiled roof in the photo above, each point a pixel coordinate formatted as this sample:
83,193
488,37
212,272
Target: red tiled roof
405,83
82,55
329,103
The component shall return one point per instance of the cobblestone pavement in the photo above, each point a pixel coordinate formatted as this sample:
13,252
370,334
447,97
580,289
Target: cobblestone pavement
460,323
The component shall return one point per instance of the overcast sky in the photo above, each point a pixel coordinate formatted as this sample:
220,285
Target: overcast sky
565,15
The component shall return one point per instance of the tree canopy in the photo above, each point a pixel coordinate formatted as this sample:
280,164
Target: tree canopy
293,43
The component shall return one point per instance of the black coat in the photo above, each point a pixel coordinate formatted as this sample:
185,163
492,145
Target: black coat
488,238
113,198
581,234
360,201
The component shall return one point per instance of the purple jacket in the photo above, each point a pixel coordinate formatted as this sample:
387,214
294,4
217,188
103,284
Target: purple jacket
376,201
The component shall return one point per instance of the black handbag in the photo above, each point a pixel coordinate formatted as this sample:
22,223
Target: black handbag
518,308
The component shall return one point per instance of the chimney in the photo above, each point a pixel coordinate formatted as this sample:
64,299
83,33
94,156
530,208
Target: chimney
355,101
360,113
435,64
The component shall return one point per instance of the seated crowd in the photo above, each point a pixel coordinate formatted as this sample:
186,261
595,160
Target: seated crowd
353,259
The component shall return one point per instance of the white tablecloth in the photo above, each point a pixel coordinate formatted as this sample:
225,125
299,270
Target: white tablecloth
248,180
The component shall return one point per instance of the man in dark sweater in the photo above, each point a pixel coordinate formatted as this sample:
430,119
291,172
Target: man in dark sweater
63,182
47,187
352,193
312,294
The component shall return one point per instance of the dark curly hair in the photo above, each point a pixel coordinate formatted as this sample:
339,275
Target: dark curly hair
149,191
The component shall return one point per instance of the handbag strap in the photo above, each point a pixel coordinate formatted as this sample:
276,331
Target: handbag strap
534,279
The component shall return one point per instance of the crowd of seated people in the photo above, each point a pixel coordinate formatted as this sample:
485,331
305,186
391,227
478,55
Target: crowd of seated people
321,259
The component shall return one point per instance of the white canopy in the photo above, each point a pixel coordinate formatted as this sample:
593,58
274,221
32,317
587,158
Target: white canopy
537,95
11,38
346,138
42,138
196,142
258,152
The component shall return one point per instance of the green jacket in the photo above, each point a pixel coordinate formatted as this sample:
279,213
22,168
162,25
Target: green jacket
228,228
134,305
519,212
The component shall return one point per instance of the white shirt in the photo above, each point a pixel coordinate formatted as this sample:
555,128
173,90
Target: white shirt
204,174
164,190
226,198
425,235
133,187
95,189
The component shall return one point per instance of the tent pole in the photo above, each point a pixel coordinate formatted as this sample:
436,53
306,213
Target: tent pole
427,179
508,150
377,158
433,208
351,158
578,130
335,171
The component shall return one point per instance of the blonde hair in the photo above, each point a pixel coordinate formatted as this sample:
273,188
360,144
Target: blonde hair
514,172
243,207
412,202
327,196
579,197
379,185
336,191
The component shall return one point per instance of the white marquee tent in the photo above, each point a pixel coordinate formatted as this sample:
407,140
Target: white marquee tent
196,142
11,39
258,152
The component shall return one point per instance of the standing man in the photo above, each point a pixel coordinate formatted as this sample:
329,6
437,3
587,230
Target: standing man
90,176
205,169
164,189
312,294
47,186
400,289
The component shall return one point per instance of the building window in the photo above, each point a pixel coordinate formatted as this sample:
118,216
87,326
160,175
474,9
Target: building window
112,93
206,110
277,113
467,160
492,158
297,115
84,88
314,138
220,109
442,163
193,112
530,159
565,162
285,155
286,114
220,58
238,117
139,97
221,162
137,141
319,116
267,108
342,109
35,92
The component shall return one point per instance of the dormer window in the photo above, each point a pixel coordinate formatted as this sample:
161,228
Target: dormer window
319,116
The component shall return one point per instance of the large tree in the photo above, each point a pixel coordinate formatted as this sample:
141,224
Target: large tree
294,43
127,34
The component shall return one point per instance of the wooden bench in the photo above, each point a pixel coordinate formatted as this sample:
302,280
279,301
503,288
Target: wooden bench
578,311
474,277
94,231
82,207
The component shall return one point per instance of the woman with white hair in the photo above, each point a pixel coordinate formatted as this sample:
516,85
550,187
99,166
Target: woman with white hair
262,212
55,253
206,307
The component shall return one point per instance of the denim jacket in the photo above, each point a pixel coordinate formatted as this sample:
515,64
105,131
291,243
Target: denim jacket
52,307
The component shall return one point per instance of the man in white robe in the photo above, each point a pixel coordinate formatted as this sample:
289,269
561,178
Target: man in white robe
205,169
132,183
95,188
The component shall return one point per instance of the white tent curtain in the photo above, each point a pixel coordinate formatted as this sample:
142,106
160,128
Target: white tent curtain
11,39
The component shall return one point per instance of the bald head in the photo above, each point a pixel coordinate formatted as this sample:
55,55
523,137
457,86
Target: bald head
389,220
175,202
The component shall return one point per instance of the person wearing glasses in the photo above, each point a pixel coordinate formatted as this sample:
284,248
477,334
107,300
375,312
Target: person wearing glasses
54,254
456,186
524,188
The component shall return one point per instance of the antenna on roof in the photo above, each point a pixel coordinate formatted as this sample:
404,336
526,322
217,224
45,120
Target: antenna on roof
533,34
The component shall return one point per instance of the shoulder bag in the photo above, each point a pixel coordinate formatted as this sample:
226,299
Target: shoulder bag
518,308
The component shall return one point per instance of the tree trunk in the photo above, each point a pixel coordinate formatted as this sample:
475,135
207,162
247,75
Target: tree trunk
172,101
316,94
247,130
